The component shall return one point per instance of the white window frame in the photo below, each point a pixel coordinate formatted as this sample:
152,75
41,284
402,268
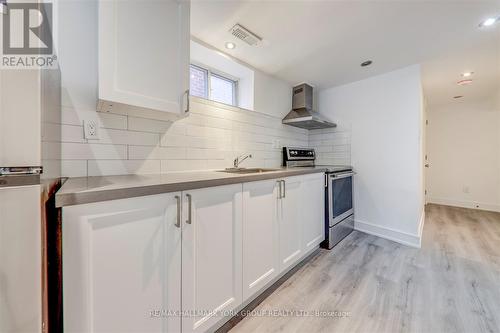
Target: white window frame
207,77
221,75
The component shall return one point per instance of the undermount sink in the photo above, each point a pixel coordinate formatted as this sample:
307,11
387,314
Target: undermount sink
247,170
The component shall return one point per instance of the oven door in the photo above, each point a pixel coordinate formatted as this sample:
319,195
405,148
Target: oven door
339,197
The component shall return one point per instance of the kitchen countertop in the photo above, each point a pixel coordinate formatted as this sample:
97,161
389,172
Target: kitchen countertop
82,190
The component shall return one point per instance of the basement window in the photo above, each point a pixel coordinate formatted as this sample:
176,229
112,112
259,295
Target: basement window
207,83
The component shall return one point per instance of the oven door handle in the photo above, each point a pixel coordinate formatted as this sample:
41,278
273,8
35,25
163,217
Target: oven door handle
342,175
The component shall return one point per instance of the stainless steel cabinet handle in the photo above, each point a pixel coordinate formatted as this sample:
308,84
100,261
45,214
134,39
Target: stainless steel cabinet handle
284,189
187,101
279,188
190,201
31,170
342,175
178,220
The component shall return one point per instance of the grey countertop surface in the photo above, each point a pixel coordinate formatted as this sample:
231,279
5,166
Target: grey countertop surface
82,190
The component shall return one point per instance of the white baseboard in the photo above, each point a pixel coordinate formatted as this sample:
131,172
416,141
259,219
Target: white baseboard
421,223
390,234
464,204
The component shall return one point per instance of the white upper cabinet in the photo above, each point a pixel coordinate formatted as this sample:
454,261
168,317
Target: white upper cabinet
122,265
261,263
211,255
144,55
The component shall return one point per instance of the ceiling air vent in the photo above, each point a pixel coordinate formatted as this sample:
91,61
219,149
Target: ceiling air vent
245,35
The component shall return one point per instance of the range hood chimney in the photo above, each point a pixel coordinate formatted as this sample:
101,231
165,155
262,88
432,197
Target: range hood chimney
302,114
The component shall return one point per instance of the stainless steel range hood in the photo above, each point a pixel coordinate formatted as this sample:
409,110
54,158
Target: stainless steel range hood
307,119
302,114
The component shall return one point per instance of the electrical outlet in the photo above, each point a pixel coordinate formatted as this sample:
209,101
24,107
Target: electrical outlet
276,144
91,129
466,189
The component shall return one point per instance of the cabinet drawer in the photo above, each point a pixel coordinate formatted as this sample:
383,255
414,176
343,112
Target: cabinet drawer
341,230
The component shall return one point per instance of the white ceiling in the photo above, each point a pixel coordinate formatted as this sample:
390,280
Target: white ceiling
441,74
323,42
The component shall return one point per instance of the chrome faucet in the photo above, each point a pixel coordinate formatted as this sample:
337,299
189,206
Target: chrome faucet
240,159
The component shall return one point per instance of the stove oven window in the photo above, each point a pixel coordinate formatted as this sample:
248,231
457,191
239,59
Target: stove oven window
341,195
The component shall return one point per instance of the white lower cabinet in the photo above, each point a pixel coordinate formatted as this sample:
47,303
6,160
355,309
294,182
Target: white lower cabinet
261,262
283,220
290,221
122,265
211,255
122,262
180,261
312,208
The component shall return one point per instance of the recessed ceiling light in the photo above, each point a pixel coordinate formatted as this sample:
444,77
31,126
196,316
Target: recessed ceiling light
467,74
489,22
366,63
457,97
230,45
464,82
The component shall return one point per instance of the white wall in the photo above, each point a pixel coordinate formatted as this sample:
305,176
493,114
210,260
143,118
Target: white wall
272,96
463,144
384,114
211,137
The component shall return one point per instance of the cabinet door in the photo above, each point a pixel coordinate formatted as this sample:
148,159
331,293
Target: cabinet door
313,210
144,53
122,265
261,261
211,255
290,222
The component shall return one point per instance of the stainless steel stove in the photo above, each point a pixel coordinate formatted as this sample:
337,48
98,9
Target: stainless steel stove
339,210
334,168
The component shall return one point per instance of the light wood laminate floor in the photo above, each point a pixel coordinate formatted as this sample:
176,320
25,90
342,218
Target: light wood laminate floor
451,284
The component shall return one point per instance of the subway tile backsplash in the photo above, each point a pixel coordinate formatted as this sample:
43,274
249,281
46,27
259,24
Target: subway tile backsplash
209,138
333,146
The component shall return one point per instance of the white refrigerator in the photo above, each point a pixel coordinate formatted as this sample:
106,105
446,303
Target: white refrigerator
29,103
